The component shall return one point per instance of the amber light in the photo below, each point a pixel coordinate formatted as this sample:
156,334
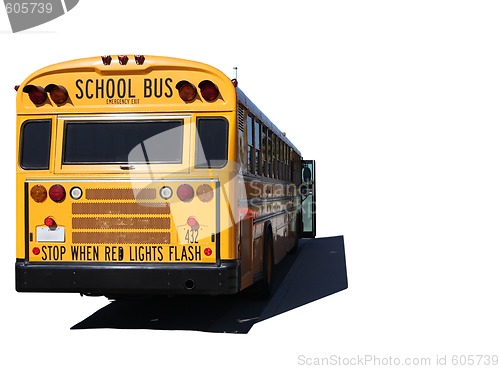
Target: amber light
187,91
38,193
204,193
37,94
57,93
209,90
185,192
57,193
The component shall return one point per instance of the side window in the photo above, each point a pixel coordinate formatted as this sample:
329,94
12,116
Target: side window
263,150
35,144
211,143
250,140
257,147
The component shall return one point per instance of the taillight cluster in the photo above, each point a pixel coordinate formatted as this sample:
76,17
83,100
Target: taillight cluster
188,92
185,192
56,193
39,95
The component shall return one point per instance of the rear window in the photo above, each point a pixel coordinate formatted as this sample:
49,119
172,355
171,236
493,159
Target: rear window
211,142
109,142
35,144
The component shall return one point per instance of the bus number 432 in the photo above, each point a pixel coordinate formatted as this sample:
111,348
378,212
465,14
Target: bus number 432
191,236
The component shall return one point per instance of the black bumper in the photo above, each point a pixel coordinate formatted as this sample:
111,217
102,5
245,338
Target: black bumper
128,278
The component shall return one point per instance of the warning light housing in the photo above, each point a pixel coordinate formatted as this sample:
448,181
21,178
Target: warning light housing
37,94
187,91
209,90
58,93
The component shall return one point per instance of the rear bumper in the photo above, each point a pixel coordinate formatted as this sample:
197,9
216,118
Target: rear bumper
128,278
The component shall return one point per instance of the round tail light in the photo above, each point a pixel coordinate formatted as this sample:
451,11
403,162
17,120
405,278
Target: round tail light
209,90
38,193
204,193
185,192
57,193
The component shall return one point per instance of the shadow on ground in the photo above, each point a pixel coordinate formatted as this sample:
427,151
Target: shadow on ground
317,270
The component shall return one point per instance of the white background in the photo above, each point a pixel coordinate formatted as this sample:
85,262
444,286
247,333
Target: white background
398,102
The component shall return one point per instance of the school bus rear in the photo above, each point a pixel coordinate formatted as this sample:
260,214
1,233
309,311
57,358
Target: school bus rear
124,178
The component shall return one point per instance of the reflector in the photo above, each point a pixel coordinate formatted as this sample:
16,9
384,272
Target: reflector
209,90
36,94
58,93
187,91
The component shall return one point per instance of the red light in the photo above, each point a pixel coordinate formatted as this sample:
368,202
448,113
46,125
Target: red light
209,90
185,192
187,91
16,87
106,59
49,222
36,251
36,94
57,193
208,251
139,59
123,59
58,94
193,223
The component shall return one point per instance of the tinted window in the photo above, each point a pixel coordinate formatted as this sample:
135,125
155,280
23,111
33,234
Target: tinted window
35,144
211,142
140,142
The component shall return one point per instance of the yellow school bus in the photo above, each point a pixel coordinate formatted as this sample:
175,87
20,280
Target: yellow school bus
152,175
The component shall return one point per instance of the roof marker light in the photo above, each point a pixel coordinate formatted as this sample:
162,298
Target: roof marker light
209,90
123,59
36,94
106,59
139,59
58,93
